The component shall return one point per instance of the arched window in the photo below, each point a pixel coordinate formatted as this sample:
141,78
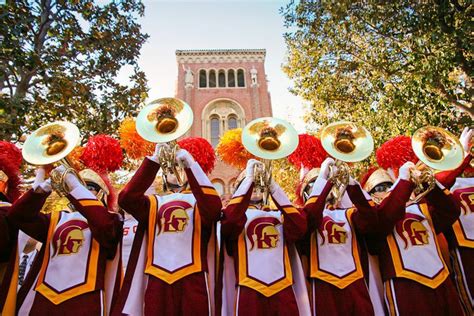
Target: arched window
202,78
221,78
212,79
219,186
240,78
231,78
232,122
215,131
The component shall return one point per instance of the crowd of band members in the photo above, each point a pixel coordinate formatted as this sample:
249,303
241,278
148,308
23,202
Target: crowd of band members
374,252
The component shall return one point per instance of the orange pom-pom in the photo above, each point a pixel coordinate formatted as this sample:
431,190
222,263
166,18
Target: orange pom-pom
395,152
74,158
231,150
201,151
102,154
309,153
135,147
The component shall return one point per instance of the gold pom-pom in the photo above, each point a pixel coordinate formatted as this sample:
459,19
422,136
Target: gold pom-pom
74,158
231,150
135,147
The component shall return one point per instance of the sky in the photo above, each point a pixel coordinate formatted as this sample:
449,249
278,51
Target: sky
218,24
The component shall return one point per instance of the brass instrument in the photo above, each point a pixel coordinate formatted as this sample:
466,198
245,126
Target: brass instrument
437,149
346,142
50,144
163,121
268,138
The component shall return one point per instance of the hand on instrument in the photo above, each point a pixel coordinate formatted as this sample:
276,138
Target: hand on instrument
273,186
184,158
465,139
156,153
250,169
70,178
405,170
325,166
40,174
352,181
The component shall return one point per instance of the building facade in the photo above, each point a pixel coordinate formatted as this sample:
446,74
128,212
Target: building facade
226,89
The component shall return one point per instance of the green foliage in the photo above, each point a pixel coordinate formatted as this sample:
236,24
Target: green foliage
392,66
60,60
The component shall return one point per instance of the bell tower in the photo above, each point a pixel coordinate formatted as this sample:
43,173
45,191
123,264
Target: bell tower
226,88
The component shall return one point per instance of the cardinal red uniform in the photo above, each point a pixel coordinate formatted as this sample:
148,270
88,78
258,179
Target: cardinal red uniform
259,242
70,275
414,272
167,272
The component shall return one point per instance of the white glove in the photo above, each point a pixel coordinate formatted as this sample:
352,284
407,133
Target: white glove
352,181
465,139
250,169
273,186
71,180
156,153
324,173
46,186
184,158
405,170
39,177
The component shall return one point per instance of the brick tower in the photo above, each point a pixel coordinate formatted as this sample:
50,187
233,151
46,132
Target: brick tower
226,88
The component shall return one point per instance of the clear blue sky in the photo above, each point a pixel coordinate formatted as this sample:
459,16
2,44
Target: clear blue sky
216,24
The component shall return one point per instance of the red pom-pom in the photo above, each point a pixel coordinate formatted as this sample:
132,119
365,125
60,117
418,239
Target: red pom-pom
102,154
395,152
201,151
10,162
309,153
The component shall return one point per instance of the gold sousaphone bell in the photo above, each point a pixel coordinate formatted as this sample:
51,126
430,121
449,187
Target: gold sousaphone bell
346,142
268,138
163,121
51,144
439,150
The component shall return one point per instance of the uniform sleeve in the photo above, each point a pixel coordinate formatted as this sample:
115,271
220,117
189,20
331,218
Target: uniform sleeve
25,214
132,198
234,218
294,221
316,203
106,227
443,207
6,234
448,178
387,214
207,199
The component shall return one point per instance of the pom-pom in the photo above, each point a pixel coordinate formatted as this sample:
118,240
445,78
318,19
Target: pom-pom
74,158
309,153
134,145
231,150
395,152
102,154
10,162
201,151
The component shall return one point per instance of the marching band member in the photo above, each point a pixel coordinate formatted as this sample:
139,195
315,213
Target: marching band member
460,236
83,237
169,270
10,161
259,240
416,278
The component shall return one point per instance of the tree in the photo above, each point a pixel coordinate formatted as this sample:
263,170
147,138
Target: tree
60,60
393,66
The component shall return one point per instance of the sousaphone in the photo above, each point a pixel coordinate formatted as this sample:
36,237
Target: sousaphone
437,149
163,121
50,144
268,138
346,142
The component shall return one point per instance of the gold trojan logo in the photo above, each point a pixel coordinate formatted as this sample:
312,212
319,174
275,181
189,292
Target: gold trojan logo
334,231
467,202
173,216
412,231
69,238
262,232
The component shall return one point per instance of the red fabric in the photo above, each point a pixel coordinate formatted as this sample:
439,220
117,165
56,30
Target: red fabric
86,304
187,296
102,154
10,162
352,300
395,152
309,153
448,178
254,303
416,299
467,261
201,151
